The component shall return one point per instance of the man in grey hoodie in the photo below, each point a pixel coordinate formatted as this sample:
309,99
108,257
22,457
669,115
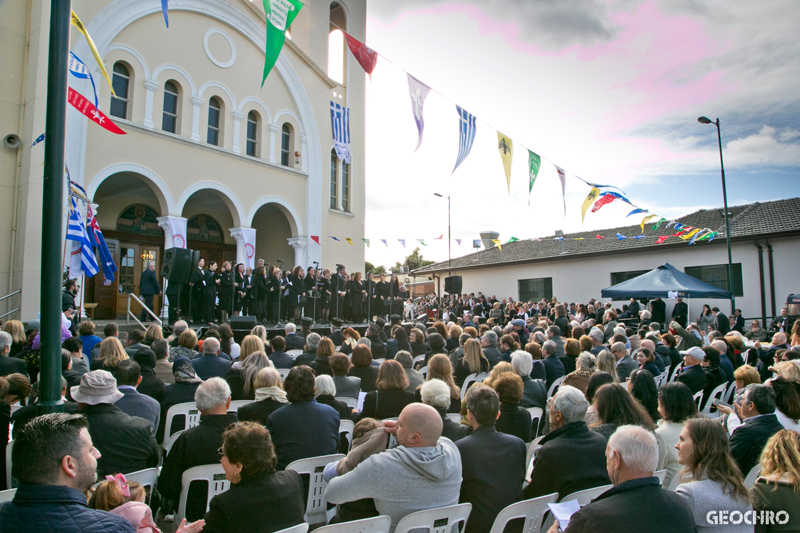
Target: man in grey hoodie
422,472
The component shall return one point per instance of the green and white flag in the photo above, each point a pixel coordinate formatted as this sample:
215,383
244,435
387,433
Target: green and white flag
280,15
534,162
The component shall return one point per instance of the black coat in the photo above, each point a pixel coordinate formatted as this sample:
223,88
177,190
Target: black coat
321,365
151,385
262,504
722,324
554,369
494,355
336,337
303,429
490,486
386,403
148,283
750,438
378,348
175,393
634,506
515,420
452,430
196,446
295,342
282,359
368,375
680,313
659,311
259,411
571,458
694,377
67,301
341,407
125,442
305,358
12,365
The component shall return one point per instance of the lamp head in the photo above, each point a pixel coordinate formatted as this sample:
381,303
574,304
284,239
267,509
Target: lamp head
437,194
704,120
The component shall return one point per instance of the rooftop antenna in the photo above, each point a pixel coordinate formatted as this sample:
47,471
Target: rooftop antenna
560,237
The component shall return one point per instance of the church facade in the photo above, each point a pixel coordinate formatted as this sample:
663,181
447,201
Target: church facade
211,160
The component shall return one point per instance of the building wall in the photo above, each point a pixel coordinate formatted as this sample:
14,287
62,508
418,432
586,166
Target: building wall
578,280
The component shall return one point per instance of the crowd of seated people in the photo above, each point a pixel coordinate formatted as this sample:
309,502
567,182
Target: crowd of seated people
618,405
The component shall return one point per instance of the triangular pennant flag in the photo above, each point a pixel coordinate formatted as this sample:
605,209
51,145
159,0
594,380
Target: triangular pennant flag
589,201
578,238
690,234
679,225
604,200
512,239
458,241
79,69
497,242
315,238
534,162
506,148
559,239
83,105
620,236
403,242
466,135
418,92
164,7
366,241
598,236
280,15
658,224
365,55
439,238
476,243
349,241
699,234
671,223
421,242
661,239
645,219
637,237
39,139
385,242
710,236
334,238
563,177
78,24
637,210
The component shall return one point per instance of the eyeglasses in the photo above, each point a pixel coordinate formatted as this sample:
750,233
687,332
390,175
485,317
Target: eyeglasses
220,453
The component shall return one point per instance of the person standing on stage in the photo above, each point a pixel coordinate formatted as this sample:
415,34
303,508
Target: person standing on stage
197,282
148,288
310,285
274,294
225,291
210,292
260,292
339,290
240,295
396,307
247,308
373,306
297,292
358,298
286,307
325,295
383,297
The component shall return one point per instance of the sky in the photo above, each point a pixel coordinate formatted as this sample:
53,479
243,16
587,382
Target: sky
609,90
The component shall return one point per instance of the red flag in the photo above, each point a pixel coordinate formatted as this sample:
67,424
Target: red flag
439,237
607,199
95,115
315,238
365,55
599,236
661,239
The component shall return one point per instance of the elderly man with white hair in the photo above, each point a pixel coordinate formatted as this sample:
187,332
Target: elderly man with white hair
725,363
534,390
596,334
211,364
571,457
637,502
553,366
294,341
436,393
625,364
766,358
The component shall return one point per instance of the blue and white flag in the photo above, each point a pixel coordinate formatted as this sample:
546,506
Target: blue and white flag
476,243
403,242
385,243
418,92
39,139
620,236
79,69
466,135
76,232
340,124
97,240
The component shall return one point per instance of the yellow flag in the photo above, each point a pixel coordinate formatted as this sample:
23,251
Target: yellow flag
350,241
589,201
506,148
78,24
645,219
690,234
497,242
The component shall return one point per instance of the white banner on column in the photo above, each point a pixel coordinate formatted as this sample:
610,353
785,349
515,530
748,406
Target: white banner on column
249,238
177,226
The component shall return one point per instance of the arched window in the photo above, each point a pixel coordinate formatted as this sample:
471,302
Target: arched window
286,145
214,112
334,188
169,118
121,82
336,45
345,187
252,134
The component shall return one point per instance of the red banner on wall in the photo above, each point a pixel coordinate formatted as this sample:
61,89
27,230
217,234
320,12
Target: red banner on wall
83,105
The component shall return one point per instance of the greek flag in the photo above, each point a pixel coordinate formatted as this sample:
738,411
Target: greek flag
466,133
76,232
79,69
340,125
97,240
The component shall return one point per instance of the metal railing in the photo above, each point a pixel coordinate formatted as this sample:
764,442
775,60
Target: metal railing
140,302
9,296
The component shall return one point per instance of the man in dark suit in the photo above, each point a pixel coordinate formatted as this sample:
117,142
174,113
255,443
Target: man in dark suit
766,358
197,282
492,463
211,280
10,365
211,364
336,336
309,350
760,423
680,312
377,347
781,323
339,289
571,458
692,374
148,288
659,310
293,340
625,363
279,358
721,321
553,366
129,375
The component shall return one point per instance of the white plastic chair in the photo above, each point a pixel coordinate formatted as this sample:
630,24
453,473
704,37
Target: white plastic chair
750,480
349,400
9,446
316,505
416,360
673,484
718,393
283,372
392,440
379,360
424,372
698,399
455,417
191,416
439,520
346,427
531,510
299,528
536,419
294,353
661,475
472,378
675,372
8,495
378,524
665,374
217,484
554,386
729,394
584,498
147,478
532,447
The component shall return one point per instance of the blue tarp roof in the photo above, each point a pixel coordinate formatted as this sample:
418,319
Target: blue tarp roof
662,281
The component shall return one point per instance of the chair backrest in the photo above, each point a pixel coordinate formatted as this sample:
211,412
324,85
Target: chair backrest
531,510
8,495
147,478
416,360
7,473
217,484
674,373
698,399
586,496
424,372
750,480
349,400
554,386
294,353
674,482
283,372
316,505
665,374
377,524
469,380
439,520
730,393
661,475
346,427
455,417
718,393
380,360
536,419
299,528
392,441
191,417
532,447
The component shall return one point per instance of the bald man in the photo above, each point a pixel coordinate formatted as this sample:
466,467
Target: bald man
625,364
766,358
650,345
725,364
422,472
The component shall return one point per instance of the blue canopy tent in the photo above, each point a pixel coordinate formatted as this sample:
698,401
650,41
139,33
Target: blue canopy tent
665,281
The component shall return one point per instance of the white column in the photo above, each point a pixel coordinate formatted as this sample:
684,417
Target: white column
273,130
177,240
303,150
299,244
237,121
150,90
196,103
245,251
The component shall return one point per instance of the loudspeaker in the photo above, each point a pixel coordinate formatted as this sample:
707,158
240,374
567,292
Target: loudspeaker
177,264
452,285
245,323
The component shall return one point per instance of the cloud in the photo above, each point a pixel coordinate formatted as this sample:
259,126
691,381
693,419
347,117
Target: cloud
767,147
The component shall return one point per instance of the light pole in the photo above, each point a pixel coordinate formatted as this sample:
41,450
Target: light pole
704,120
449,257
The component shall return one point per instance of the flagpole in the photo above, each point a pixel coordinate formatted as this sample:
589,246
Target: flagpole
52,201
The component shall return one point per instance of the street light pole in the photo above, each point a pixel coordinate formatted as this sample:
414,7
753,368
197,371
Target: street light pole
704,120
449,244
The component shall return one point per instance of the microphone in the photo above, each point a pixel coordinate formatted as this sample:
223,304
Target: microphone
279,260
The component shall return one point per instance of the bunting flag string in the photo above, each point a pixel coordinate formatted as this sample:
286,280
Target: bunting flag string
79,69
280,15
497,243
164,10
645,219
418,92
506,148
589,201
534,162
315,238
563,177
83,105
366,241
365,55
349,241
81,28
466,135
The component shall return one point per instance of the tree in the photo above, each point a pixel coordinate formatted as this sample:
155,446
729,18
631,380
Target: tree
377,270
413,261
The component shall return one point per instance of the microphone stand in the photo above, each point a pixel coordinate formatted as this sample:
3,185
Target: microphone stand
280,293
370,283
